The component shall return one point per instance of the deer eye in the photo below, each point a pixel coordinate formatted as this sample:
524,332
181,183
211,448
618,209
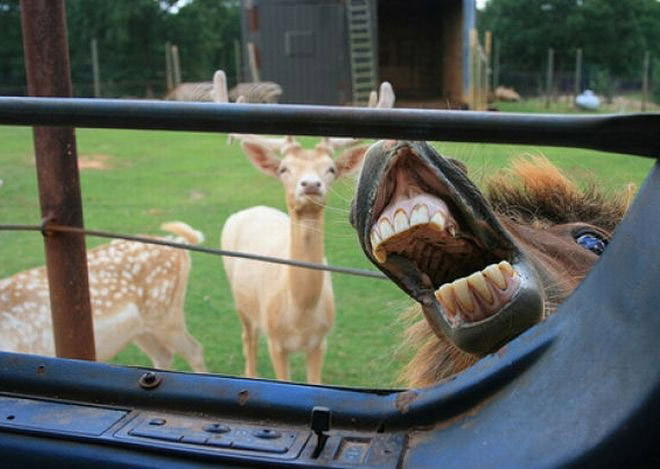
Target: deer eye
283,169
332,170
592,241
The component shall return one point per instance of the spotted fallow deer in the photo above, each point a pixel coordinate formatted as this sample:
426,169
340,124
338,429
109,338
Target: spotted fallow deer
482,268
137,293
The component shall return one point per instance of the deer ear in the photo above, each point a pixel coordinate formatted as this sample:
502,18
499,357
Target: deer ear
350,160
262,158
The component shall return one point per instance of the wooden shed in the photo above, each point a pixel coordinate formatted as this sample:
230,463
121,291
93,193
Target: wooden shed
336,51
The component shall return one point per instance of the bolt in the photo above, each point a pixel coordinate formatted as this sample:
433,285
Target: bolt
149,380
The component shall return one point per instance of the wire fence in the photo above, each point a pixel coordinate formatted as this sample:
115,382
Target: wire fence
47,229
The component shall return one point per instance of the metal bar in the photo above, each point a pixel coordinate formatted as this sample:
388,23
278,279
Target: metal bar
48,74
190,247
633,133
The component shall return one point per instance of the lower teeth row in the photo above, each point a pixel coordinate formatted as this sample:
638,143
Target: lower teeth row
459,293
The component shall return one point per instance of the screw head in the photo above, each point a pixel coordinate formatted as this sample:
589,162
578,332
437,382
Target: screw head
149,380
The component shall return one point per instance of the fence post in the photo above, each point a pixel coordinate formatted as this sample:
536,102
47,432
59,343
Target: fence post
578,74
645,79
254,63
548,81
176,65
496,66
238,61
473,69
488,40
49,74
95,69
169,81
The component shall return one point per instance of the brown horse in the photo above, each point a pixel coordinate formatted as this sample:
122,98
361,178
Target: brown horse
483,269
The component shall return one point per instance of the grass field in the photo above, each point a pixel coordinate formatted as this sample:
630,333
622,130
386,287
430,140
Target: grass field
149,177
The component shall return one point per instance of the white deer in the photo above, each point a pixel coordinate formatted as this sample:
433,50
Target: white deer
292,306
137,293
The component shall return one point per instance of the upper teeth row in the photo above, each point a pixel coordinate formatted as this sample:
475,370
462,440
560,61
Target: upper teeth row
386,229
459,294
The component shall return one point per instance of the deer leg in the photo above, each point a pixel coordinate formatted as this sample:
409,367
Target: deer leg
188,347
250,346
280,360
315,363
161,356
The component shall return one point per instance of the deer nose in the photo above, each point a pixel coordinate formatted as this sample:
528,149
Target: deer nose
311,186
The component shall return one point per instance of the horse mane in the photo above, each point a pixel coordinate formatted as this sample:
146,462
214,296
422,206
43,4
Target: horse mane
532,191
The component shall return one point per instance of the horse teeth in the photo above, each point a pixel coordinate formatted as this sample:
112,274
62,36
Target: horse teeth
479,284
463,294
506,268
494,274
445,294
400,221
380,254
375,238
438,221
386,230
419,215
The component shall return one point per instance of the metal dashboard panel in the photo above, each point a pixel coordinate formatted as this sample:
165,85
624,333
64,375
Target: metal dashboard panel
194,436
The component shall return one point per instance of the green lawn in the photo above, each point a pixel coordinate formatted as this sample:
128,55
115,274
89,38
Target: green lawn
153,177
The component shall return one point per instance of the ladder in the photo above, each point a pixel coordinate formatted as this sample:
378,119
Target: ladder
362,49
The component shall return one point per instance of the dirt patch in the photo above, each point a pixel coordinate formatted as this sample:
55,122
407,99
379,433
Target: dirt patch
95,162
155,212
196,195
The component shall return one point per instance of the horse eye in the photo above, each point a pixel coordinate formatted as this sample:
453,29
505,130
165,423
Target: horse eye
592,242
332,170
283,169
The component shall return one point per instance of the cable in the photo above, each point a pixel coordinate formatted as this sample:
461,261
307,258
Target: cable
45,228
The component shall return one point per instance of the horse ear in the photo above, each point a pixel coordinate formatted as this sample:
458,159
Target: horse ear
262,157
350,160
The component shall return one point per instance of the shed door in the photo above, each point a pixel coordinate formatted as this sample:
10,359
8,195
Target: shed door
303,48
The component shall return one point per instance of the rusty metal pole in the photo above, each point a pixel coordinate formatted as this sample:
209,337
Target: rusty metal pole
48,74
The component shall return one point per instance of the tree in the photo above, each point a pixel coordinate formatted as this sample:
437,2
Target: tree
130,40
131,36
613,35
204,31
12,68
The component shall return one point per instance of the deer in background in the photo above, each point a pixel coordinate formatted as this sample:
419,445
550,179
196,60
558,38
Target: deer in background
265,92
137,293
294,307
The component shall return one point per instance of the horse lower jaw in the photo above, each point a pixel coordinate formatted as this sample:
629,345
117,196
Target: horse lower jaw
460,312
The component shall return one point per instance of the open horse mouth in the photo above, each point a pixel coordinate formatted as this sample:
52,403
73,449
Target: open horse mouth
427,227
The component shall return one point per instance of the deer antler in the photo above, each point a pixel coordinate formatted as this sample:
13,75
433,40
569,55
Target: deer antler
276,144
386,96
219,92
382,99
